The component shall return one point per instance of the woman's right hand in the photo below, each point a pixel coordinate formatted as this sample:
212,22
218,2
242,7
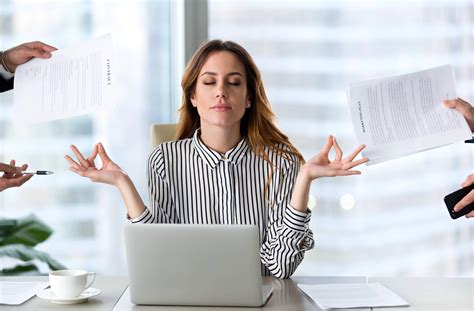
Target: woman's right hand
110,173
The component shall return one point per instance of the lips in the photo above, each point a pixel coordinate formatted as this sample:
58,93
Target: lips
220,107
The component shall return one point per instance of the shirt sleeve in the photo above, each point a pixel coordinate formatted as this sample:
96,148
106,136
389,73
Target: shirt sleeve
288,234
5,74
161,208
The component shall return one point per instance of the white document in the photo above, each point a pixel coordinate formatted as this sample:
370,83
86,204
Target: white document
402,115
342,296
124,302
74,81
16,293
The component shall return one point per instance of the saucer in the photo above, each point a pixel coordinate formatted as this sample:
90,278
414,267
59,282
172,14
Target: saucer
48,294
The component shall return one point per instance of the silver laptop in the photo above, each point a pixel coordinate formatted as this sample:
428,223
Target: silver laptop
199,265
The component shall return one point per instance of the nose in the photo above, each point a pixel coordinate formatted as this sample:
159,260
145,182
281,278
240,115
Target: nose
221,92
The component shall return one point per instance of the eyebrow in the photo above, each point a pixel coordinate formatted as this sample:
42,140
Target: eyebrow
235,73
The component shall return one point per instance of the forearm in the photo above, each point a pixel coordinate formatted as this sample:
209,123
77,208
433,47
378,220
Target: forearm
299,197
287,240
131,198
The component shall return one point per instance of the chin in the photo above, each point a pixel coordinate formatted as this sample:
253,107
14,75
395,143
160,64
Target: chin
224,123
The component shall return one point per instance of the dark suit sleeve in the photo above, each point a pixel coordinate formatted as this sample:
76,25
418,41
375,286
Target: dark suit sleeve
5,85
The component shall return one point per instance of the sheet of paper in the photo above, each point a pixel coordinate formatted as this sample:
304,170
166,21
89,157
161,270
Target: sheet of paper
16,293
402,115
124,302
342,296
74,81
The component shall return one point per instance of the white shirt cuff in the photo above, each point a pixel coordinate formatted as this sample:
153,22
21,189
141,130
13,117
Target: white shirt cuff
5,74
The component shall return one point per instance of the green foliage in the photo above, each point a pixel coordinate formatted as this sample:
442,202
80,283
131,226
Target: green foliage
17,239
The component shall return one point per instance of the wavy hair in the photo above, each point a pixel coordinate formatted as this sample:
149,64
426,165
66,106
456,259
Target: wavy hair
257,124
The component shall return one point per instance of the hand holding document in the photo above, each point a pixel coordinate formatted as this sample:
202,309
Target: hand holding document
341,296
402,115
74,81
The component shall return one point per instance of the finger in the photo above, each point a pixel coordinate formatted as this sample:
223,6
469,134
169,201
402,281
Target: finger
350,165
468,199
470,214
337,149
8,168
463,101
327,147
469,181
39,49
460,105
43,46
21,170
354,154
79,156
81,172
71,162
17,182
93,155
348,173
10,175
77,171
94,152
29,53
102,154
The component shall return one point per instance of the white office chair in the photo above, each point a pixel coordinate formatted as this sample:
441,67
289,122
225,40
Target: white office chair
160,133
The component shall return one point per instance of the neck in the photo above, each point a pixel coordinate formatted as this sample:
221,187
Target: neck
220,139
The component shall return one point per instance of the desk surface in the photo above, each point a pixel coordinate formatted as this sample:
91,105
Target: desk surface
423,294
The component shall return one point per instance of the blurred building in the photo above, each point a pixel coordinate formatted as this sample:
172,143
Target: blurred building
394,221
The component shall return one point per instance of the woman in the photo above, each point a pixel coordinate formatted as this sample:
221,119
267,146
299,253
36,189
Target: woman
230,164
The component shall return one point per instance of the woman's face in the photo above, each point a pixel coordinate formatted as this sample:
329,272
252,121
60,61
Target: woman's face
221,91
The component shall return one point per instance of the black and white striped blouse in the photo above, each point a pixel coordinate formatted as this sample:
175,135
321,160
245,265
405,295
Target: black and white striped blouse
190,183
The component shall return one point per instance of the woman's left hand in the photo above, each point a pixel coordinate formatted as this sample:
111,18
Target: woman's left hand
321,166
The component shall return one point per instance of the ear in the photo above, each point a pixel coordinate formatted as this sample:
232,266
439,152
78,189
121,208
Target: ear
248,103
193,100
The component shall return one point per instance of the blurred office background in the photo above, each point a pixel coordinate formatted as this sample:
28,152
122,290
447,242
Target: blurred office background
390,221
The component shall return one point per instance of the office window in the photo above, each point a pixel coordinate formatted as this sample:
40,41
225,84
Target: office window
87,218
392,219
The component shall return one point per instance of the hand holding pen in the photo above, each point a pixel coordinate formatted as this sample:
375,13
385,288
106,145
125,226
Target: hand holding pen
15,176
12,175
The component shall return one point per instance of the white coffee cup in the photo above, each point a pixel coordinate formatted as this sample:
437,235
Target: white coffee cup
70,283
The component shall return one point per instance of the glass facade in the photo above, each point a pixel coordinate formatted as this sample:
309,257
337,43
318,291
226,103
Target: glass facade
87,218
391,220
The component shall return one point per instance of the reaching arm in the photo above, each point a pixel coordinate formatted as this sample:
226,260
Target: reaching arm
10,59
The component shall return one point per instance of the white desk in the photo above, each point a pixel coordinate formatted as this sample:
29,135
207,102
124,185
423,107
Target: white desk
423,294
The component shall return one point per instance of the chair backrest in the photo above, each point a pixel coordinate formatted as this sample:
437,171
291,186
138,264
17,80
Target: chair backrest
160,133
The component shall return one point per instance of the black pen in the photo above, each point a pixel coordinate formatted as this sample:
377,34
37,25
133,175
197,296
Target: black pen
39,173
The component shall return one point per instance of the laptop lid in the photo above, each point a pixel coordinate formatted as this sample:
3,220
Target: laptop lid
175,264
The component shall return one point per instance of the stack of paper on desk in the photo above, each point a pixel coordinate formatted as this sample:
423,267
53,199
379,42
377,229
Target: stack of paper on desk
340,296
401,115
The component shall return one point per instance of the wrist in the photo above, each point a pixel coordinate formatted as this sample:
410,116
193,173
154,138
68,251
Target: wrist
304,175
122,180
6,64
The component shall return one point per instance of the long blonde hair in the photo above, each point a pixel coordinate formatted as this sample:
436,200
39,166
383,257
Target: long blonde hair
257,124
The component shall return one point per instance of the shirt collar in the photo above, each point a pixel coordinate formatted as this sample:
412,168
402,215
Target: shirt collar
212,157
